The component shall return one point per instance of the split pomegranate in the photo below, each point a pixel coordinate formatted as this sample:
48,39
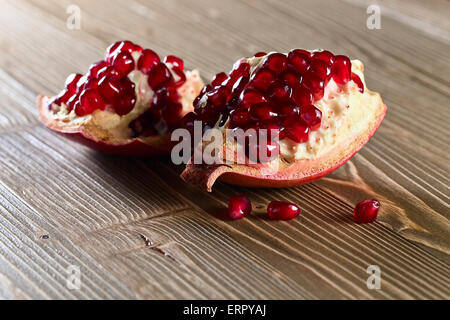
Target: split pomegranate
126,104
316,102
366,211
238,207
281,210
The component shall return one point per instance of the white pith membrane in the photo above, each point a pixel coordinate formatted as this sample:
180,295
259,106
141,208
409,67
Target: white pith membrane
346,112
106,125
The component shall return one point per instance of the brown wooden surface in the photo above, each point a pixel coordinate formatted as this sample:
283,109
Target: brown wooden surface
137,231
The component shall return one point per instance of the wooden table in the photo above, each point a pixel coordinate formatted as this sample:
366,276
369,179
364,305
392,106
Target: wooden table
135,230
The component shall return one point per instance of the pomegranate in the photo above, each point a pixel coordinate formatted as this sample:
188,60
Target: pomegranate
281,210
316,101
238,207
126,104
366,211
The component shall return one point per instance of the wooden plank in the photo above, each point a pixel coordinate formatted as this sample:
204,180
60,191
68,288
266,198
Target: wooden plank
137,231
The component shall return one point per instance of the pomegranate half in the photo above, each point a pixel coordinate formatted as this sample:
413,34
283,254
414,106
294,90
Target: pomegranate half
316,101
126,104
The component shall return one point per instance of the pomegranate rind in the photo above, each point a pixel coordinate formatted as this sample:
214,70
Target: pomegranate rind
157,146
299,173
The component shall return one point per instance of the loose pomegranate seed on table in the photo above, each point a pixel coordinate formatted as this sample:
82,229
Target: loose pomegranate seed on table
281,210
238,207
366,211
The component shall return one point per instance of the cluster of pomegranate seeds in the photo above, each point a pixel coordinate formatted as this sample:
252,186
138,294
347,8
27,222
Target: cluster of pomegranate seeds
280,93
238,207
165,108
281,210
366,211
107,85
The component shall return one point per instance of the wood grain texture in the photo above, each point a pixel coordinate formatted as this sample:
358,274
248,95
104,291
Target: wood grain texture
138,232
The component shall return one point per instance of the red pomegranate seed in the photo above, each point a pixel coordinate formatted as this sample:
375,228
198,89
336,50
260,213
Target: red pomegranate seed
71,82
63,97
159,76
219,79
298,60
358,81
96,67
238,86
238,207
250,97
341,70
302,96
172,94
181,77
281,210
125,104
296,130
127,46
259,54
325,56
123,63
90,84
218,96
262,79
127,99
108,72
71,102
160,98
148,60
208,114
275,62
110,89
121,46
314,84
261,111
239,117
290,78
240,69
320,68
187,122
175,62
79,110
112,49
279,91
288,109
90,100
312,117
366,211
